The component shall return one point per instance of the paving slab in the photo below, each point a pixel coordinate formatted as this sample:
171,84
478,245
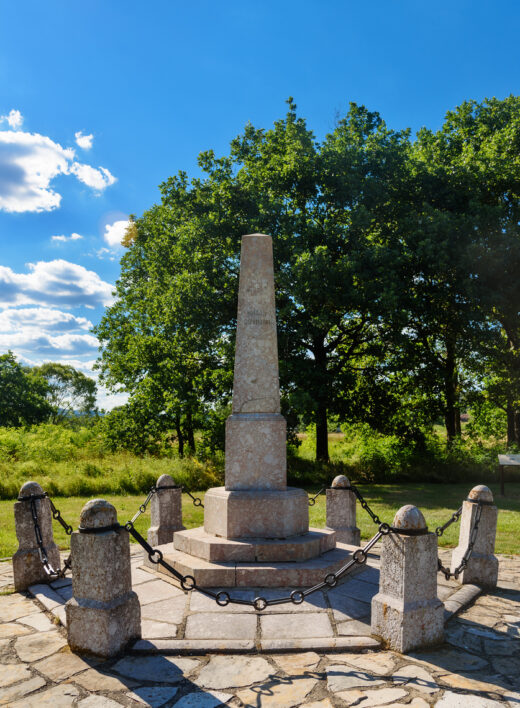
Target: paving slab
293,627
153,696
220,672
37,646
276,693
154,668
55,697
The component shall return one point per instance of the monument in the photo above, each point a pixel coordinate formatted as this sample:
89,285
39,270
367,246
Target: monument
256,528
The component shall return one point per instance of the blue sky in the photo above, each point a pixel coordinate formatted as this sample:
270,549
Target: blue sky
101,101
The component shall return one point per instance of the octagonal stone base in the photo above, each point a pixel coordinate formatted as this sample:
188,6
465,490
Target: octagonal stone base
256,513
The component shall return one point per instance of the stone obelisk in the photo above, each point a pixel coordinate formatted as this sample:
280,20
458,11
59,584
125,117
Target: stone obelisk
256,501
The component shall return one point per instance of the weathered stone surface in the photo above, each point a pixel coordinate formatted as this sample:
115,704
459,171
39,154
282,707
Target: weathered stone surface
256,451
407,612
380,664
104,613
256,513
459,700
342,678
416,677
291,626
171,610
320,644
46,595
10,694
298,663
176,647
55,697
469,683
208,625
151,629
11,673
13,629
98,702
96,680
154,591
165,669
341,511
27,566
325,703
206,699
450,659
276,694
38,620
367,699
165,512
37,646
345,607
153,696
354,627
61,666
245,671
482,566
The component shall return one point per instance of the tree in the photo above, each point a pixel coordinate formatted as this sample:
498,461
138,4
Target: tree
22,394
69,392
331,208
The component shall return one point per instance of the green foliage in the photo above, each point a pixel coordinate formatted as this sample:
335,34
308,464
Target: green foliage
69,391
22,394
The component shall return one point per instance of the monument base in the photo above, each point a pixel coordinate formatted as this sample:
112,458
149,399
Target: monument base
256,513
245,574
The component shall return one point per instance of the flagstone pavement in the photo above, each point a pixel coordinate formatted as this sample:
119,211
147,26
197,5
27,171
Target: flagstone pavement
318,655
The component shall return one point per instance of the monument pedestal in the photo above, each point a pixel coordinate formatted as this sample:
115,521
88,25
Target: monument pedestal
256,513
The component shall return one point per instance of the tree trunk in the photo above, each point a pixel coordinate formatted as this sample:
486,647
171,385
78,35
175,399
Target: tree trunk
180,436
458,426
322,438
450,392
190,433
517,427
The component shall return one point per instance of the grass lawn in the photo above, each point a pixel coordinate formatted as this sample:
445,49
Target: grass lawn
436,501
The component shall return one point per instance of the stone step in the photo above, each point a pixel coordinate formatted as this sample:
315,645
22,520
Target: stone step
197,542
249,574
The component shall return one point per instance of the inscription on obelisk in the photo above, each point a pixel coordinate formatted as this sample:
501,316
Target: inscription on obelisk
256,432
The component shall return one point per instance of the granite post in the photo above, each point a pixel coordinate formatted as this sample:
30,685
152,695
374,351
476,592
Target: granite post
341,511
406,612
255,502
27,564
103,614
165,511
482,566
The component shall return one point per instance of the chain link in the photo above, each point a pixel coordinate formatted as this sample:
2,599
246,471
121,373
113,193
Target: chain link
47,567
312,500
471,543
364,504
453,518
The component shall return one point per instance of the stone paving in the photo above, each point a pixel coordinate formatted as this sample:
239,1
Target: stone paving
478,665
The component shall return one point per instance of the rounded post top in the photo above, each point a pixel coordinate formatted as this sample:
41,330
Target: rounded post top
97,513
256,236
29,489
165,481
481,493
409,517
340,482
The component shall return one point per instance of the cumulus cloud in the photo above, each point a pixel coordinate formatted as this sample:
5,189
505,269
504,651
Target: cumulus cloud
28,164
51,283
98,179
72,237
114,232
14,118
84,141
41,319
43,343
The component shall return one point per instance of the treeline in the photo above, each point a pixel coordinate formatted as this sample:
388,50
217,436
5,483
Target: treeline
50,393
396,265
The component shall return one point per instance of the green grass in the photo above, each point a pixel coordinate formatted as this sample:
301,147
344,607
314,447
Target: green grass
437,502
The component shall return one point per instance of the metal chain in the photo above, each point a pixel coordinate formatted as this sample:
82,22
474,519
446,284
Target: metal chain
312,500
155,490
223,598
454,517
471,543
196,500
47,567
364,504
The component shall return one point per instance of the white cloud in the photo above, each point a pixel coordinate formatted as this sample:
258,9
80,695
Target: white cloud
84,141
40,342
41,319
98,179
50,283
14,118
114,232
28,164
72,237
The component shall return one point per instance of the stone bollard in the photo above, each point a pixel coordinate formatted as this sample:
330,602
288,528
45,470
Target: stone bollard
341,511
166,511
27,562
406,612
103,614
482,566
